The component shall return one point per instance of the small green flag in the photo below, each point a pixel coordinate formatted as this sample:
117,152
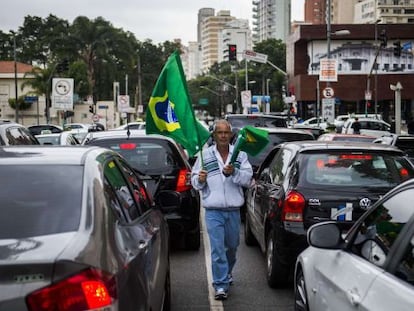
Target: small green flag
170,111
250,140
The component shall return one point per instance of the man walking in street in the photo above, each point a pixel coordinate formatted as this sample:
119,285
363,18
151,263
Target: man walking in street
221,187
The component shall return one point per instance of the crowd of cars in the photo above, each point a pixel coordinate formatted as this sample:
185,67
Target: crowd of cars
313,194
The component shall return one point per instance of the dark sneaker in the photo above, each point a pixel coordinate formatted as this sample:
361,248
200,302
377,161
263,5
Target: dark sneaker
221,294
230,278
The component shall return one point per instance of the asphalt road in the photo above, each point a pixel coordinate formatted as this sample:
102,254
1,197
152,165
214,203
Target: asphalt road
190,282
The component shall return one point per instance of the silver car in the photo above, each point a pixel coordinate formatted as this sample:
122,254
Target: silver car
370,268
79,231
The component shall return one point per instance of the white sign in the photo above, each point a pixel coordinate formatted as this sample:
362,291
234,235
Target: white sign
368,95
95,118
257,57
328,109
62,93
328,70
123,103
246,97
328,92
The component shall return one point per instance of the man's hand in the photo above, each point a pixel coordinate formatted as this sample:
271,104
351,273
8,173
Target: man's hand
202,176
228,170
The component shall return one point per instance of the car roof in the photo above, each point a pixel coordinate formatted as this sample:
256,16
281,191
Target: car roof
124,134
41,154
314,145
285,130
253,115
347,135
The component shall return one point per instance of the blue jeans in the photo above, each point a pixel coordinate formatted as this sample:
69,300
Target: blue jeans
223,229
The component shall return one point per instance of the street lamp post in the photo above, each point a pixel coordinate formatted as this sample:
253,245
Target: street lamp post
16,107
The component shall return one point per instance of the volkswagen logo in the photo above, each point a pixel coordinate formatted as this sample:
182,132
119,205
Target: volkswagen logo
365,203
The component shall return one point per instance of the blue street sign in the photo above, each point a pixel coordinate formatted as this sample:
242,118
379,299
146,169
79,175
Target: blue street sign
31,99
102,106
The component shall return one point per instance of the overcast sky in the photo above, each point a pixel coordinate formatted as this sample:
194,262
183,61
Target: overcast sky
158,20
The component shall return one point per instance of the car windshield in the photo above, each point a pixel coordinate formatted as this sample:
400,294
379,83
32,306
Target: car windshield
148,157
348,169
39,200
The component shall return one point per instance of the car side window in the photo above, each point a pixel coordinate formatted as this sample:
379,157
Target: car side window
405,269
122,191
280,165
140,194
380,229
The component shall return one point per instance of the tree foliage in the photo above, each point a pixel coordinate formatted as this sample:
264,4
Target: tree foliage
99,54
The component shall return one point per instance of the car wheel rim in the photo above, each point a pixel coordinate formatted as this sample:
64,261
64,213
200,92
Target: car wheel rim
300,294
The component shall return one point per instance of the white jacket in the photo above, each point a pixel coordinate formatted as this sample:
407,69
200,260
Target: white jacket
219,191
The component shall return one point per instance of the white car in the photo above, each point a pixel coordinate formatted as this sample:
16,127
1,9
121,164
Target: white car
314,122
370,268
371,127
132,126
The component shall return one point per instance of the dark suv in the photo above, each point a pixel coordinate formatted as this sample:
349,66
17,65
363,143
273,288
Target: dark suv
12,133
303,183
163,165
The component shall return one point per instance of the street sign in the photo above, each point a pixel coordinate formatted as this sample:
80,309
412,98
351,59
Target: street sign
103,107
368,95
95,118
246,97
31,99
123,103
328,72
254,56
62,93
328,92
328,109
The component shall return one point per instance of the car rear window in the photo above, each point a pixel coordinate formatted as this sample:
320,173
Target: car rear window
39,200
149,157
348,169
276,139
257,121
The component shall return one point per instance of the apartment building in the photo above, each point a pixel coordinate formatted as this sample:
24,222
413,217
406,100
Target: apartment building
385,11
211,27
271,19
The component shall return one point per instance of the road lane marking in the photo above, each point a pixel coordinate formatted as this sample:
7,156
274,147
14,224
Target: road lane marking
215,305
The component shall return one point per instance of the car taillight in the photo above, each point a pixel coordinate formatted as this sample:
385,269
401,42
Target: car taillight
127,146
184,180
293,207
90,289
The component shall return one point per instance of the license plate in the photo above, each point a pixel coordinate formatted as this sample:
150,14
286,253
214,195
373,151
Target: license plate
342,213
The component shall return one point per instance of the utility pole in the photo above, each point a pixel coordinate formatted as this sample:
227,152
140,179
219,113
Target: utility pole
16,108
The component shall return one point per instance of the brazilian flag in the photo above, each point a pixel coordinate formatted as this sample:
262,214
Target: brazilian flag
170,111
250,140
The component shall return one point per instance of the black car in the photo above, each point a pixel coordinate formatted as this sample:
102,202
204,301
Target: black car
405,142
303,183
79,231
12,133
237,121
164,166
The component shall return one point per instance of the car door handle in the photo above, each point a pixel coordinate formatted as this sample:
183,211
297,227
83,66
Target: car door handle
354,297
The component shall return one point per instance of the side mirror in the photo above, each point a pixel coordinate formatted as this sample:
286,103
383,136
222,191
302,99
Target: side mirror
168,201
325,235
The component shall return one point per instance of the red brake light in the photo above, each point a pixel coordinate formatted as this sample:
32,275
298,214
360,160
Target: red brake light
403,172
293,208
90,289
356,156
127,146
184,181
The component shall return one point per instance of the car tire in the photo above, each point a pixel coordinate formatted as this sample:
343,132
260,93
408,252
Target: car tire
192,241
277,272
301,298
166,306
249,238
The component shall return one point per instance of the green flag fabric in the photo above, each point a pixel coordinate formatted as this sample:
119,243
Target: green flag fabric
170,112
250,140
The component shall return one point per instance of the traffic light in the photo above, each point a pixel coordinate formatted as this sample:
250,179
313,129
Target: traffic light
383,38
397,48
91,109
63,66
232,52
